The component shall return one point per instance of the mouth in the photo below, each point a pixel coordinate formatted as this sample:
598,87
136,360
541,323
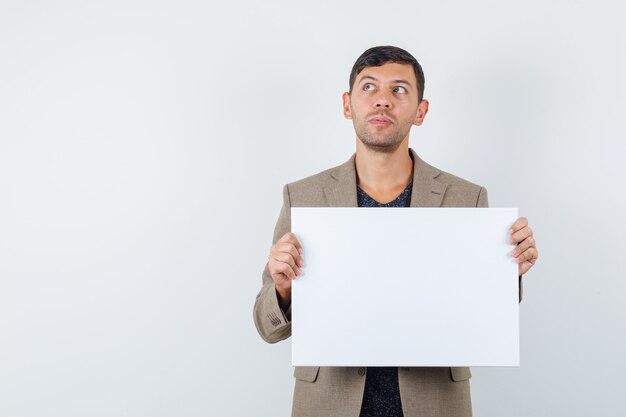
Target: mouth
380,121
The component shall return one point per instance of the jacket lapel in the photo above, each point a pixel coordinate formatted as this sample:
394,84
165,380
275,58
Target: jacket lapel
341,191
427,192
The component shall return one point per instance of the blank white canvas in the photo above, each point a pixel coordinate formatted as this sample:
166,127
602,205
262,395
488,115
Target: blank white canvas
405,287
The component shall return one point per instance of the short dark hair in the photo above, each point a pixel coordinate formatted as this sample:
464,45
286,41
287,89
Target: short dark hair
379,55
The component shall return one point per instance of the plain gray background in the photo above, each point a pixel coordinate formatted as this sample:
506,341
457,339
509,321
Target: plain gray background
143,150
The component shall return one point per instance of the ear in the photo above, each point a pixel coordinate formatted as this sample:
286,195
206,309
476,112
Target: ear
422,109
347,113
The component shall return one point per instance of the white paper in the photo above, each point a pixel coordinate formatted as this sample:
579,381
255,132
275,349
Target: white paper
405,287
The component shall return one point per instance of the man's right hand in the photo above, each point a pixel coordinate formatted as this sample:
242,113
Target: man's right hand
284,263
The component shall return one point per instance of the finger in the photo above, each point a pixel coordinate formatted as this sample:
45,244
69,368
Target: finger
523,245
521,234
287,248
289,237
525,266
518,224
528,255
285,258
284,269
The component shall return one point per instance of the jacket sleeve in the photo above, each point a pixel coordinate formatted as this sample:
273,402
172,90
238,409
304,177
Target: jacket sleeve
483,201
272,323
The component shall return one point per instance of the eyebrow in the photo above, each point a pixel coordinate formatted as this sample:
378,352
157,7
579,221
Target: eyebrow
369,77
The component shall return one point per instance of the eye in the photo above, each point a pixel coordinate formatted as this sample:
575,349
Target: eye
368,87
400,90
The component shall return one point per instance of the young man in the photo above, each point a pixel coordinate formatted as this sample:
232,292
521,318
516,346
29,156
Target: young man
385,99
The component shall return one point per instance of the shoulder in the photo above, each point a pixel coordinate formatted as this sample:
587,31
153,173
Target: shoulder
459,192
314,181
309,191
457,182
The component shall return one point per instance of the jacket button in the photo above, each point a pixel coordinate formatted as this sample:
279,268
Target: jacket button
361,371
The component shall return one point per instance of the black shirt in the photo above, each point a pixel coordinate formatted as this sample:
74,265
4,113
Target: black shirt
382,391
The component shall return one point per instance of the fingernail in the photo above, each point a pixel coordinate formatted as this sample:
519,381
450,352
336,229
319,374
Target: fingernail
512,253
300,250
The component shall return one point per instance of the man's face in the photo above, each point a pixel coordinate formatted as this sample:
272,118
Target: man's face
383,105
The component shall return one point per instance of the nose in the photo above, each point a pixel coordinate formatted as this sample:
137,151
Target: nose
382,101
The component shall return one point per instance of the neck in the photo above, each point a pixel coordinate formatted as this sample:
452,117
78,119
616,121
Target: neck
383,171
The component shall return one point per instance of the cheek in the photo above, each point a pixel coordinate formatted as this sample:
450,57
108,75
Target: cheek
357,114
409,112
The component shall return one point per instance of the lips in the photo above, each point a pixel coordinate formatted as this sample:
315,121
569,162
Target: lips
378,120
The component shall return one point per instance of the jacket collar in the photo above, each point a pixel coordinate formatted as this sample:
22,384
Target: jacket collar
427,191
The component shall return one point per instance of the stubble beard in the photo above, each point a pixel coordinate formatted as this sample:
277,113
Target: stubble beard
383,143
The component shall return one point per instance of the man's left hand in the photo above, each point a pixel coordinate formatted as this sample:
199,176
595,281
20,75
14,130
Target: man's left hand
525,254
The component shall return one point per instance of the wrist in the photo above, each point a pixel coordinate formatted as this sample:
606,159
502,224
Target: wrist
284,297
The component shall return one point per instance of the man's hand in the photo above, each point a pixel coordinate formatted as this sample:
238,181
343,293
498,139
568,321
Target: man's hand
284,263
525,254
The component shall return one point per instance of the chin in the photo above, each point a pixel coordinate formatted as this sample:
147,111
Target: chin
383,147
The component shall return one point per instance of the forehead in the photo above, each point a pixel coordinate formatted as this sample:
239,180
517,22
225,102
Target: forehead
389,72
